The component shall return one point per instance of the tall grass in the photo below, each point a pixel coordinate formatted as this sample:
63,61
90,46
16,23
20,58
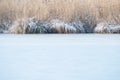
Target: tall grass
90,12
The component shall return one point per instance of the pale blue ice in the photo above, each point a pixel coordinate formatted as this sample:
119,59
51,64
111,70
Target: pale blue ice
60,57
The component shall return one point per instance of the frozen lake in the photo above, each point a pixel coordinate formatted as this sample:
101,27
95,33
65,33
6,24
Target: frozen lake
60,57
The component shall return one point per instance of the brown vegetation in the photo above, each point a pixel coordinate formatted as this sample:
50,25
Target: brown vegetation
90,12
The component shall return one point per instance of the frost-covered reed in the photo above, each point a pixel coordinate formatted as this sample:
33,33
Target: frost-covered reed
31,25
107,28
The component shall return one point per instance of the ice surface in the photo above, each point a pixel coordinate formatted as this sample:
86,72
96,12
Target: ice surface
60,57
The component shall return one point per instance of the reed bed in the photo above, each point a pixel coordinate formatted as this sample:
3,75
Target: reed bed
90,12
